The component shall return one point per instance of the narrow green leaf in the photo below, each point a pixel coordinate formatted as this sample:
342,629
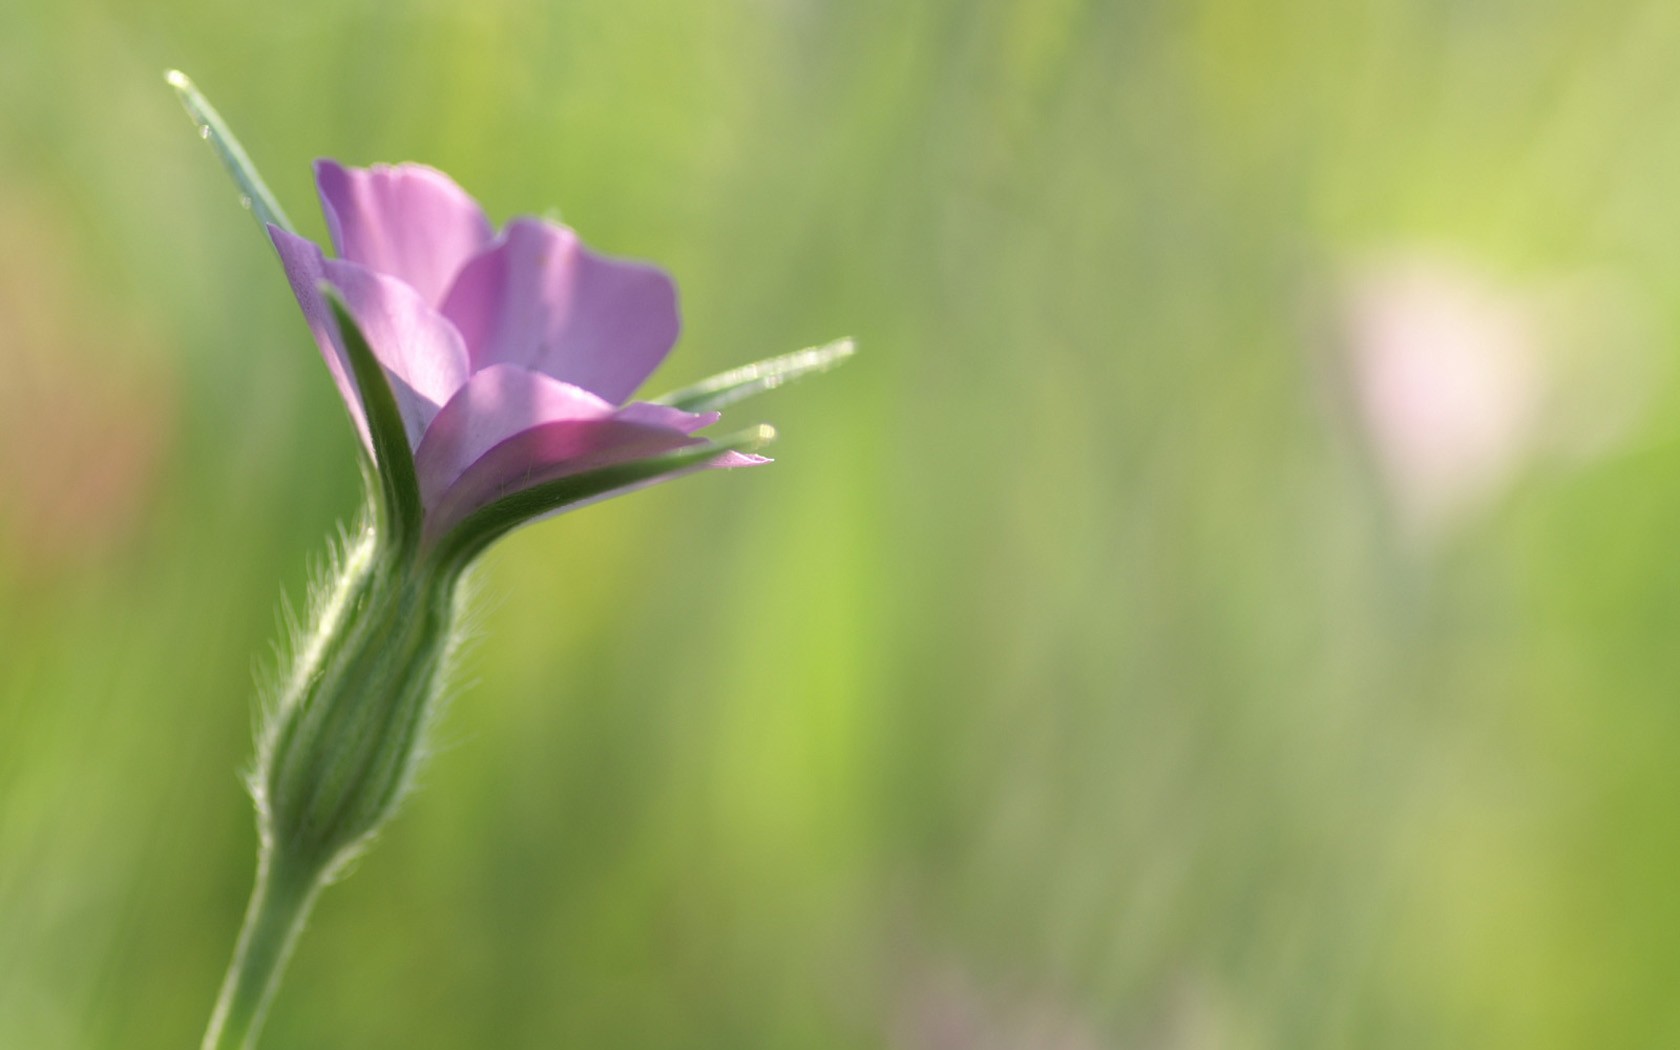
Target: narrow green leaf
737,384
398,484
484,526
253,191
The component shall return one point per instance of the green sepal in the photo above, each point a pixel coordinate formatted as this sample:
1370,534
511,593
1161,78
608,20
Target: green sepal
398,484
341,738
253,191
484,526
737,384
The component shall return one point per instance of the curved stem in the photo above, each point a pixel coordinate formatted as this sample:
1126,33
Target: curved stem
280,902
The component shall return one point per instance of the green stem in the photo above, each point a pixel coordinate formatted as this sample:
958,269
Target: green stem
280,902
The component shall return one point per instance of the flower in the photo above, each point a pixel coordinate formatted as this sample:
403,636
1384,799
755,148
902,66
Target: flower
511,356
488,377
1449,378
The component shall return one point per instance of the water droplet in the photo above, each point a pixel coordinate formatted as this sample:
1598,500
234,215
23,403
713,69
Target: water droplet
204,131
245,202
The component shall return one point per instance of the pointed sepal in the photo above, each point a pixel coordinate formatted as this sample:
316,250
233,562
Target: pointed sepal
398,484
737,384
484,526
253,191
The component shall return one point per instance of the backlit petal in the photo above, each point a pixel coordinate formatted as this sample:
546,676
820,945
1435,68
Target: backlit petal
510,428
408,221
422,353
539,299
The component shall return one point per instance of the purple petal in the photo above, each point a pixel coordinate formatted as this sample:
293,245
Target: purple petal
510,428
491,407
422,353
539,299
459,504
653,415
305,269
409,221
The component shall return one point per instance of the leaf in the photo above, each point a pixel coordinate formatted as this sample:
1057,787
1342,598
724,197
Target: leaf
738,384
484,526
398,483
253,191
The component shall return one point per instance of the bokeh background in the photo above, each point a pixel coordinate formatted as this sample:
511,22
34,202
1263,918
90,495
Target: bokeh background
1232,601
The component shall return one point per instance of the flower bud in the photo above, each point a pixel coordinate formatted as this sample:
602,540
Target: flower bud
339,747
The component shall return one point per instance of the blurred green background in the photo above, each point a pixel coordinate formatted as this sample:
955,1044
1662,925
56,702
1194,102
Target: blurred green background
1231,602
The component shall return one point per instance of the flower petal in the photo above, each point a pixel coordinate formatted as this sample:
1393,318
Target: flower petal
422,353
408,221
538,298
459,533
510,428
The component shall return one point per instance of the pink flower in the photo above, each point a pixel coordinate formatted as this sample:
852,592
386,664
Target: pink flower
1450,377
511,356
